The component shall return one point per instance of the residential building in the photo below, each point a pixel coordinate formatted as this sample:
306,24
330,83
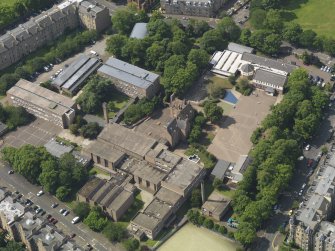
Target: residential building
94,16
130,79
310,227
216,206
202,8
36,233
43,103
142,4
114,196
72,78
48,26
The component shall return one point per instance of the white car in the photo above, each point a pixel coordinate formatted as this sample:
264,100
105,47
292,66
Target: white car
75,220
301,157
40,193
65,213
308,147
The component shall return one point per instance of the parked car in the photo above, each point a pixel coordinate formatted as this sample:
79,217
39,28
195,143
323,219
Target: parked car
73,235
38,210
49,216
66,212
75,220
62,210
300,192
310,162
28,202
54,221
308,147
40,193
10,171
54,205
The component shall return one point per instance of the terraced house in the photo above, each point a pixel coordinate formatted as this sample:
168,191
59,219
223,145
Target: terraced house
48,26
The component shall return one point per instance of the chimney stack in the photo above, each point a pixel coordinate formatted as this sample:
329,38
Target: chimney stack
104,108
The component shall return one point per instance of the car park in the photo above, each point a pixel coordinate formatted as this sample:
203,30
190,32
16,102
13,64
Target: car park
40,193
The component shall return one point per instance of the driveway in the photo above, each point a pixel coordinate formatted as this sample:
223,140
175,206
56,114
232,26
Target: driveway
16,182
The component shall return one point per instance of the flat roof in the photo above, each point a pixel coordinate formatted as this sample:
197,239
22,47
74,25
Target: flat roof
148,172
128,73
216,203
139,31
104,150
220,169
183,175
119,201
270,77
56,149
42,97
239,48
153,214
168,196
11,209
90,187
268,62
127,139
226,62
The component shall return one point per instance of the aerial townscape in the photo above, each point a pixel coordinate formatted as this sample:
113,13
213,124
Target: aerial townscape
168,125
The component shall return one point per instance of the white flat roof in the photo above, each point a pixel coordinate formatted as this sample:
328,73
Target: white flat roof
226,62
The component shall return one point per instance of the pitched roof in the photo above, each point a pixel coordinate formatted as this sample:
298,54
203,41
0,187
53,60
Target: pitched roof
270,77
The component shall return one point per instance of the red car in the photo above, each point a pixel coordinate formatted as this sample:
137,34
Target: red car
54,221
51,219
310,162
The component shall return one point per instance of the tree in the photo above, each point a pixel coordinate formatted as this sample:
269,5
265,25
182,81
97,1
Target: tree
115,43
17,116
208,223
228,28
245,36
91,130
217,183
196,198
159,29
307,38
212,111
114,231
13,246
62,193
292,33
134,51
271,4
272,44
154,55
49,175
131,244
123,21
223,230
274,21
246,233
198,57
244,87
95,220
213,40
81,209
257,18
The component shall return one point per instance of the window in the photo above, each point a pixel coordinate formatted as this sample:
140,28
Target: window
98,160
147,183
106,162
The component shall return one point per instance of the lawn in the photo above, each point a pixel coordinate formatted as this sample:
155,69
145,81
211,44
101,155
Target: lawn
317,15
7,3
223,81
117,101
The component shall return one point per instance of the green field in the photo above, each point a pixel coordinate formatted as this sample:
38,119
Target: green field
7,2
317,15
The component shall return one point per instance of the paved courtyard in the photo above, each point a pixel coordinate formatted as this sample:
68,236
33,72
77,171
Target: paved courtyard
36,133
233,136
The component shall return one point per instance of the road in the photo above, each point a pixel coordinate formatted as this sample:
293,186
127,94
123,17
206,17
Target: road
84,235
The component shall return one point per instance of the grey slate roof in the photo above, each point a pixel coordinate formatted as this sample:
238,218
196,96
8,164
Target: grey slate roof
270,77
247,68
139,31
272,63
7,40
71,70
239,48
20,33
220,169
128,73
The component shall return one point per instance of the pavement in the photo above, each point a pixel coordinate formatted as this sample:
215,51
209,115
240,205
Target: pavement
84,235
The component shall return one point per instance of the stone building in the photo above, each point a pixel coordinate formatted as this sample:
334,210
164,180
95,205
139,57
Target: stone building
48,26
130,79
43,103
202,8
93,16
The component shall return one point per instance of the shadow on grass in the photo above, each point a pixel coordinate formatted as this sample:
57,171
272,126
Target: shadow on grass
292,5
288,15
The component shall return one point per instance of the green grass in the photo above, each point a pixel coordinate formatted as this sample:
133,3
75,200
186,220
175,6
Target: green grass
226,84
7,3
100,171
226,192
317,15
116,103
